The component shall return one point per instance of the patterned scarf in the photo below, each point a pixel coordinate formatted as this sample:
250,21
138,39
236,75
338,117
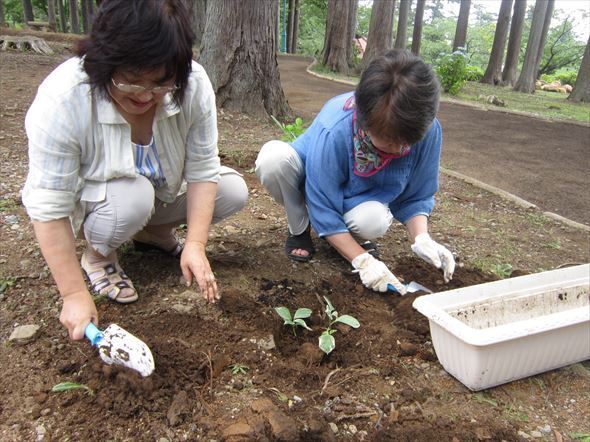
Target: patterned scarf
368,160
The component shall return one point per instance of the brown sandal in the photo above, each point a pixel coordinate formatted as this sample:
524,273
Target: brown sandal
109,281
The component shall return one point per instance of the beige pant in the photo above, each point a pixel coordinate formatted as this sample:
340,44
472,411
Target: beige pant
281,172
130,204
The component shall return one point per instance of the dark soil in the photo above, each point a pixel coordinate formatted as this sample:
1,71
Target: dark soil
217,376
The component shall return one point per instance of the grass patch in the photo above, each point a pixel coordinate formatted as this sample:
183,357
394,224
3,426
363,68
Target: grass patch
546,104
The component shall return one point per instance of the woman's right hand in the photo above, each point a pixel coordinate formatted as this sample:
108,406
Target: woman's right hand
77,311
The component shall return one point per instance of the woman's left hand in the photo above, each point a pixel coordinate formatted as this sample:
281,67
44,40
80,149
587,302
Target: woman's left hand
194,262
434,253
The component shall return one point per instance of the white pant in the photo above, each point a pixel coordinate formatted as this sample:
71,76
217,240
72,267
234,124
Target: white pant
281,172
130,204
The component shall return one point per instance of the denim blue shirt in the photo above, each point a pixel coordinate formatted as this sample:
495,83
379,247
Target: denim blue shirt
407,184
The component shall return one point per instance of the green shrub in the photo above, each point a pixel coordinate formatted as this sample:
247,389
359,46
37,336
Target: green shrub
566,76
452,71
473,73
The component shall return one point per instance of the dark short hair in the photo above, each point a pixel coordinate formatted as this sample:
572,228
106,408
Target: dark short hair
140,36
397,97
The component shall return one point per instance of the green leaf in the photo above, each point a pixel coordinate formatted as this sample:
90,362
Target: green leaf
584,437
327,343
302,323
348,320
302,313
68,386
298,122
285,314
330,308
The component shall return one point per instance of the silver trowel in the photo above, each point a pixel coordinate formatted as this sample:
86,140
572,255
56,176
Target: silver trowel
412,287
118,346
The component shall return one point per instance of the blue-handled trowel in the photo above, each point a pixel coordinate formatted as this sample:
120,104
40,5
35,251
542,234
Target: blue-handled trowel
118,346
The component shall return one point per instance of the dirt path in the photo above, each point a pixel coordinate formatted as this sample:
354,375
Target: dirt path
543,162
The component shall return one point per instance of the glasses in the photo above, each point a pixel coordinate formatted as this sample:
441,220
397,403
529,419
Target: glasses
137,89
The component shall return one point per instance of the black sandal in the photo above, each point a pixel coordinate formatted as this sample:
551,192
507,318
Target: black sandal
302,241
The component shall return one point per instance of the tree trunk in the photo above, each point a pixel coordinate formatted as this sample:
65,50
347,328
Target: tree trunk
581,91
401,38
198,12
74,23
509,73
239,54
84,14
50,15
380,30
295,28
350,32
2,18
62,15
417,34
28,10
526,80
493,74
290,24
546,24
462,23
336,42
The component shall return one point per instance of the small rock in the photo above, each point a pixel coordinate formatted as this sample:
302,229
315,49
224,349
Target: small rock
536,434
362,434
545,429
231,230
267,343
181,308
333,427
523,434
11,219
163,439
352,429
24,334
408,349
178,409
15,227
41,432
283,427
237,431
45,411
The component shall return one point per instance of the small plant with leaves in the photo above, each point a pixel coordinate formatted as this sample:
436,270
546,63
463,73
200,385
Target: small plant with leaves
69,386
298,319
290,131
238,368
327,342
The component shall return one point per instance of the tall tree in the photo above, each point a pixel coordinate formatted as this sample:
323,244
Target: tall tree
290,23
338,39
84,16
238,51
526,80
493,73
50,15
401,38
380,30
74,23
2,18
28,10
198,12
462,23
61,10
581,91
417,34
544,32
562,48
295,33
350,30
509,72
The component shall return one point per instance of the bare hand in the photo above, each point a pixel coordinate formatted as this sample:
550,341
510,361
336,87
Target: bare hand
77,311
194,263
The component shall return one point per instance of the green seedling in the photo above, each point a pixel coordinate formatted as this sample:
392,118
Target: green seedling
239,368
515,414
298,319
290,131
479,397
584,437
69,386
5,284
327,343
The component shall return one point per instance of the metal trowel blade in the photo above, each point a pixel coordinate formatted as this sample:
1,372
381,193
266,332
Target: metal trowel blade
414,287
120,347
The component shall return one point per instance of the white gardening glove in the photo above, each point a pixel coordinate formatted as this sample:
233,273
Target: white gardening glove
375,275
434,253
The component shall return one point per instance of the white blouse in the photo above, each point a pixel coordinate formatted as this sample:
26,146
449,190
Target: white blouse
78,141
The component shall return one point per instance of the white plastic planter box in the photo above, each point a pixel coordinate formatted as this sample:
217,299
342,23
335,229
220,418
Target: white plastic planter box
489,334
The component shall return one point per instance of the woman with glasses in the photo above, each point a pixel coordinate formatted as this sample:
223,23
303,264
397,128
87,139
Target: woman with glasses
123,145
369,156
